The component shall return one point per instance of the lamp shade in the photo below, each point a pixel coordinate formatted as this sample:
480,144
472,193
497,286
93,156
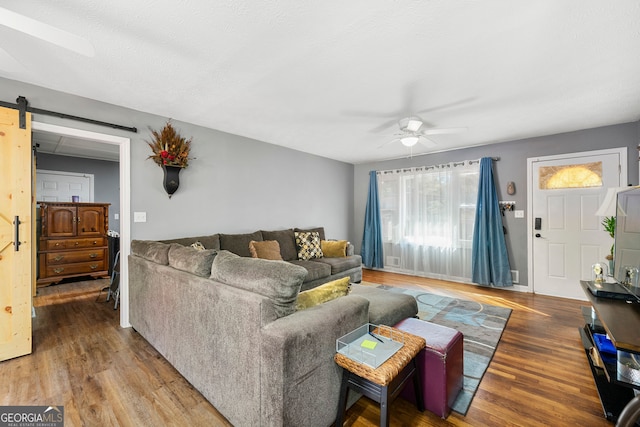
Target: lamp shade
608,206
409,141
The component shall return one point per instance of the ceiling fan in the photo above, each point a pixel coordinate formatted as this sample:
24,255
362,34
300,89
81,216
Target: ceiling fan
41,31
412,131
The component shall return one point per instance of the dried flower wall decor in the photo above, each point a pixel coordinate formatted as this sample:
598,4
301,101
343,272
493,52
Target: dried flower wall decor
169,148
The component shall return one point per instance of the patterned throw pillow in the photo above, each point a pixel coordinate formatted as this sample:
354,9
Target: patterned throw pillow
308,244
198,246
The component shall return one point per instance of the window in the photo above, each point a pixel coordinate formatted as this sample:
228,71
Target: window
428,213
571,176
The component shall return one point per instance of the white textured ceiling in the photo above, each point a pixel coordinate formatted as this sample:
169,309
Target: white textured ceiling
325,77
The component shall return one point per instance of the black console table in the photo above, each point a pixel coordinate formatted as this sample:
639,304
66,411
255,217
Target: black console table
620,320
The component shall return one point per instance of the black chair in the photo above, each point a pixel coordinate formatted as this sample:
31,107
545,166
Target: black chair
114,285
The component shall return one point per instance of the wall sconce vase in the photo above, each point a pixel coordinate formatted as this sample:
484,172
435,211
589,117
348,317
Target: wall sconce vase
171,178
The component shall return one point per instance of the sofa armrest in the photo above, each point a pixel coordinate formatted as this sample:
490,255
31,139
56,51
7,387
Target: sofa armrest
297,366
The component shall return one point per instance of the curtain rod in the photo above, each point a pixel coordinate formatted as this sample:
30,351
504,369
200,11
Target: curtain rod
22,105
442,165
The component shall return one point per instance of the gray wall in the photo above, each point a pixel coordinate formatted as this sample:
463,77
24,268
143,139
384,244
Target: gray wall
106,178
235,184
511,167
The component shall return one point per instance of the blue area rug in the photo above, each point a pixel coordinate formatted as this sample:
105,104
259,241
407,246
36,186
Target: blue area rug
481,324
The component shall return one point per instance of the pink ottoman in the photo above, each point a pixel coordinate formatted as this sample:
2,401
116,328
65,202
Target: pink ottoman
440,365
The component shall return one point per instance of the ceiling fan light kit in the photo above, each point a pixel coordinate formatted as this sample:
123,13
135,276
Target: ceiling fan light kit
411,131
409,141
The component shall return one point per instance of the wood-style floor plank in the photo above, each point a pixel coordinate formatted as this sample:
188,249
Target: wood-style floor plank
106,375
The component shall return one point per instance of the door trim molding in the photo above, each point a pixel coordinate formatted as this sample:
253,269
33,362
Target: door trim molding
623,175
125,198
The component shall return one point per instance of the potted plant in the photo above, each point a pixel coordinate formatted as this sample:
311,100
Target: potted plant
609,224
171,153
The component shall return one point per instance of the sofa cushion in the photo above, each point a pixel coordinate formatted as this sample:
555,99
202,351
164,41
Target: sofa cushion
338,265
239,243
268,249
308,244
191,260
209,242
333,248
279,281
150,250
315,270
319,230
323,293
287,241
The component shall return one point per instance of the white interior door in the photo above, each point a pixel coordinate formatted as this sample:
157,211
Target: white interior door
570,237
56,186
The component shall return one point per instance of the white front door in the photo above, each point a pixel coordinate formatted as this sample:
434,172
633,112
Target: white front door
56,186
567,236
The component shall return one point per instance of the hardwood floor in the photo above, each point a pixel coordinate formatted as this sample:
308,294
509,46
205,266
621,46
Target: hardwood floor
106,375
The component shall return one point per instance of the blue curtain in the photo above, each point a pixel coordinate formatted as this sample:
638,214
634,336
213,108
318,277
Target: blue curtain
372,236
490,262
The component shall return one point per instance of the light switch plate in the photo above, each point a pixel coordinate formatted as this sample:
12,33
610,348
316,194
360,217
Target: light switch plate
519,213
139,217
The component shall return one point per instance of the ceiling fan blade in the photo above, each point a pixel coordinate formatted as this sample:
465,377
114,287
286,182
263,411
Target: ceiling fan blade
443,131
383,126
429,143
448,105
389,142
9,64
46,32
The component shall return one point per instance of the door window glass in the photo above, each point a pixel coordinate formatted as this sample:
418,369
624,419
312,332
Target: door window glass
571,176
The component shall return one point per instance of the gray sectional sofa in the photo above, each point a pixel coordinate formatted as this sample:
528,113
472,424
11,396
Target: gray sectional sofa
229,325
319,270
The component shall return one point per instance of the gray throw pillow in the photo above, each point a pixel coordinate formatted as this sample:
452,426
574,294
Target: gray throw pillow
151,250
191,260
279,281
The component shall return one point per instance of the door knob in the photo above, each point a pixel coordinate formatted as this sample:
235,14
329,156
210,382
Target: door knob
538,235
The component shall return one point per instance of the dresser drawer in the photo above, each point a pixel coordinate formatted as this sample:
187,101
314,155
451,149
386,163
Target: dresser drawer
79,268
56,258
54,244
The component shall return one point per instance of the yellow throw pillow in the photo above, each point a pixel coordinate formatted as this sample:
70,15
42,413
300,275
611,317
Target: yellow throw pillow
269,249
323,293
334,248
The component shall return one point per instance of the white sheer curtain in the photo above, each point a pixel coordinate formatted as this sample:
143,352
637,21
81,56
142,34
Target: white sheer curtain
427,216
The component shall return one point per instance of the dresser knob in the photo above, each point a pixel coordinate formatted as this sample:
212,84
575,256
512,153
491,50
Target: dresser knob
58,270
93,255
77,243
59,258
94,266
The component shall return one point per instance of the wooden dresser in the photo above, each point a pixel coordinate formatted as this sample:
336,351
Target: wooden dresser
73,241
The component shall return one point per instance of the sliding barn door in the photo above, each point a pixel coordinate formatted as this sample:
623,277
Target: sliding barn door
16,241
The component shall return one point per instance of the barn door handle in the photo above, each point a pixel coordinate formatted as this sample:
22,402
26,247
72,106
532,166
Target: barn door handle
16,233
